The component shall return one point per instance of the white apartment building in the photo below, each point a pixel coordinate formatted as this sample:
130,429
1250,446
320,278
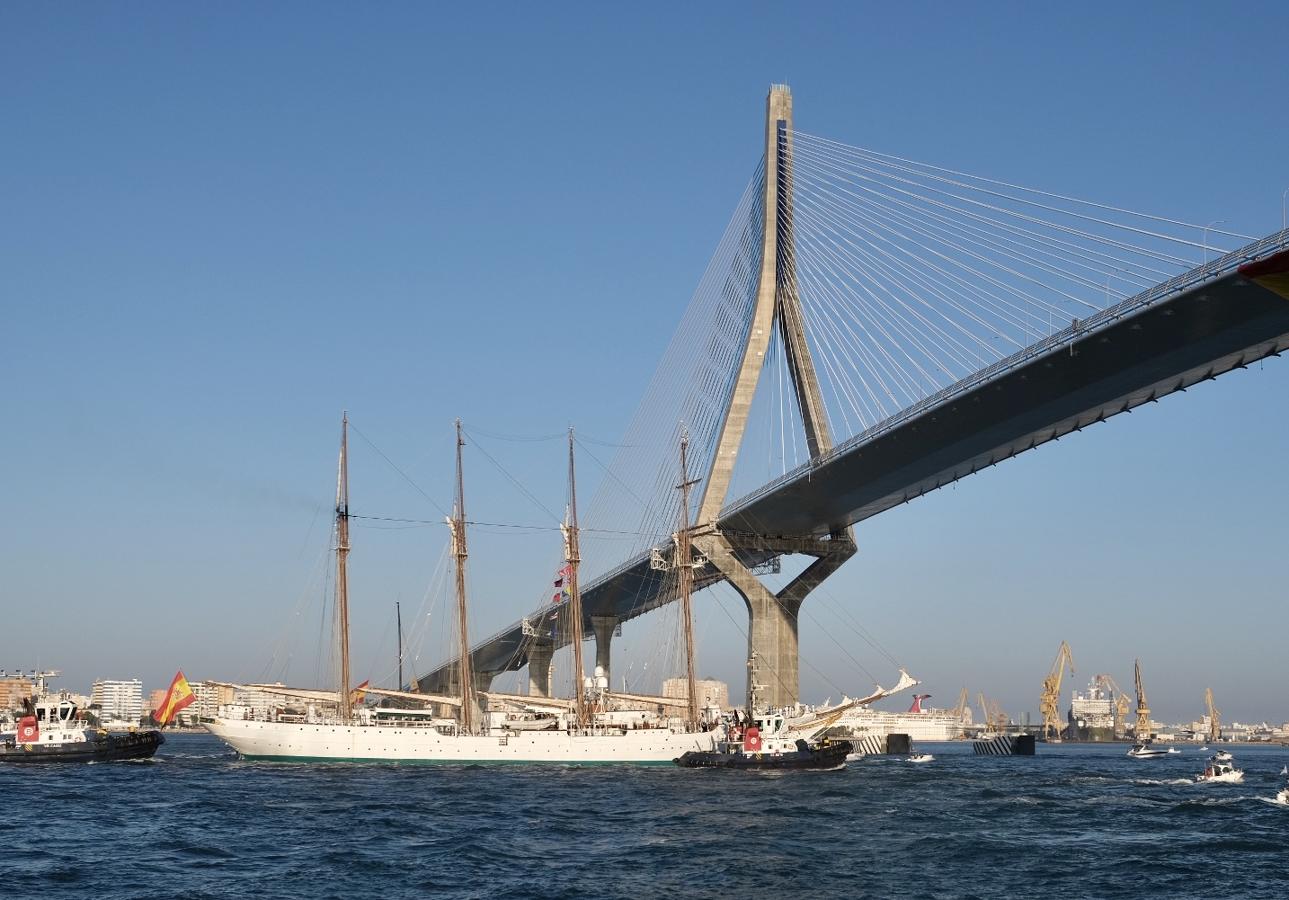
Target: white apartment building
120,701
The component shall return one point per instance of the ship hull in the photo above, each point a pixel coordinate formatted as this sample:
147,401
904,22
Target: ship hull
106,748
832,756
299,743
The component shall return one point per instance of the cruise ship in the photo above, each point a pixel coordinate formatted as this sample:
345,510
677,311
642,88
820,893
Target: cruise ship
920,723
1093,712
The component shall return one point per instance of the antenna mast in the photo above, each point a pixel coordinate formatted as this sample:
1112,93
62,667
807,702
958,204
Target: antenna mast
457,524
573,557
685,570
398,618
342,568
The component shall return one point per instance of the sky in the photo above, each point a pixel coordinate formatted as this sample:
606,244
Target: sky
224,225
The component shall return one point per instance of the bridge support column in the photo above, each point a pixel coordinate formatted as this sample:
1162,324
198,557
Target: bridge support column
540,657
772,640
604,627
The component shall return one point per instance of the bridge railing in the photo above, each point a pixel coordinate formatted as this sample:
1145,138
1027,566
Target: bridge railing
1078,329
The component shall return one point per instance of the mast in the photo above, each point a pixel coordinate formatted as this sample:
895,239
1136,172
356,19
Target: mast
398,618
457,524
684,560
342,568
573,557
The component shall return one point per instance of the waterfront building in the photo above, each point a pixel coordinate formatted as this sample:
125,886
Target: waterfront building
710,691
118,700
208,699
13,688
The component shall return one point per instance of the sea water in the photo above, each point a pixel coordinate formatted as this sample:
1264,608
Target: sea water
1073,821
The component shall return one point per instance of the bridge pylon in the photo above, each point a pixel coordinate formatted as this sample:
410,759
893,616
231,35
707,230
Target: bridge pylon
772,617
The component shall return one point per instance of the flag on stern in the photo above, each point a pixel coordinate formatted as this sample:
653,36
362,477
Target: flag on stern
178,697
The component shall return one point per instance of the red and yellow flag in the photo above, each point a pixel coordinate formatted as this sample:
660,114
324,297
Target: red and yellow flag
178,697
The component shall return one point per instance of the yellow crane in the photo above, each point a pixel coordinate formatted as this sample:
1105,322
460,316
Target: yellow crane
994,717
1049,701
1214,717
1143,711
960,713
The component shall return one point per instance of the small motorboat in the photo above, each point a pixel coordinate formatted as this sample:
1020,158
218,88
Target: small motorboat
1222,756
1173,751
49,731
1219,771
766,743
1203,749
921,758
1145,751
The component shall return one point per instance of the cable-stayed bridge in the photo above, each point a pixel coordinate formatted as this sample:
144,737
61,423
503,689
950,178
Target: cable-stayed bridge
874,328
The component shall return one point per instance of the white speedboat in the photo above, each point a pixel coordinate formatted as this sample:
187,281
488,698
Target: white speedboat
1173,751
1218,771
1145,751
921,758
1222,756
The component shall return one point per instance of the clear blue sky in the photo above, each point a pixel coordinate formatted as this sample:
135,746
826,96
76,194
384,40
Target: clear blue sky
224,224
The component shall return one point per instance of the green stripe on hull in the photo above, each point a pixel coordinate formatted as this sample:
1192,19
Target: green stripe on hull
455,762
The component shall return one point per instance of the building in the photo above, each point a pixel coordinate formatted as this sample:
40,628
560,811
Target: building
13,688
710,691
118,700
207,699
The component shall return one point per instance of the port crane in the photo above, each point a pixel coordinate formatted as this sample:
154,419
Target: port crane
1049,701
1214,717
1121,703
1143,711
960,713
994,717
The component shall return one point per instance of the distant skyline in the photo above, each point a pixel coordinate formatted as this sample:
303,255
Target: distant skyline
225,226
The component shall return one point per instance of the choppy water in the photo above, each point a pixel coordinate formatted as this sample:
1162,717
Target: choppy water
1075,821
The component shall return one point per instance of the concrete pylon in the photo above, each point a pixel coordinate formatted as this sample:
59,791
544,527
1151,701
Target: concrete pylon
772,618
541,656
604,628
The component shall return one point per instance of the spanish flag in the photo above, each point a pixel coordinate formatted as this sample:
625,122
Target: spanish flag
178,697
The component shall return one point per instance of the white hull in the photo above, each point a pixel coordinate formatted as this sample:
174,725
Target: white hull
1225,778
283,741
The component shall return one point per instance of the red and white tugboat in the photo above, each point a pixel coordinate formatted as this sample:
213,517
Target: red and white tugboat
766,743
49,730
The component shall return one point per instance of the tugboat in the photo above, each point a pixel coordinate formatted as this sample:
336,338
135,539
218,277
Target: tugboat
49,731
766,744
1220,771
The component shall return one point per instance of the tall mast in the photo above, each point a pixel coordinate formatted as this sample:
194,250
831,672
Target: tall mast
457,525
342,567
573,557
398,618
684,560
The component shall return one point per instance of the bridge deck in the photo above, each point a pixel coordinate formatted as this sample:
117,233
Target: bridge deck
1191,329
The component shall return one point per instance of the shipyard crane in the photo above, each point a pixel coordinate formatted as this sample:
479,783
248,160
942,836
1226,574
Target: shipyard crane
1214,717
994,717
1143,711
1049,702
960,713
1121,703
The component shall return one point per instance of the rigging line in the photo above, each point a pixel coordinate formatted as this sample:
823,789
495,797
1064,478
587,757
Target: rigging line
1020,275
518,438
523,490
1017,187
609,473
1081,250
495,524
354,428
1009,212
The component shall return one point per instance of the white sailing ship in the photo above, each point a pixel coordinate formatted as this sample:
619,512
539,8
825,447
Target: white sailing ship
325,726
